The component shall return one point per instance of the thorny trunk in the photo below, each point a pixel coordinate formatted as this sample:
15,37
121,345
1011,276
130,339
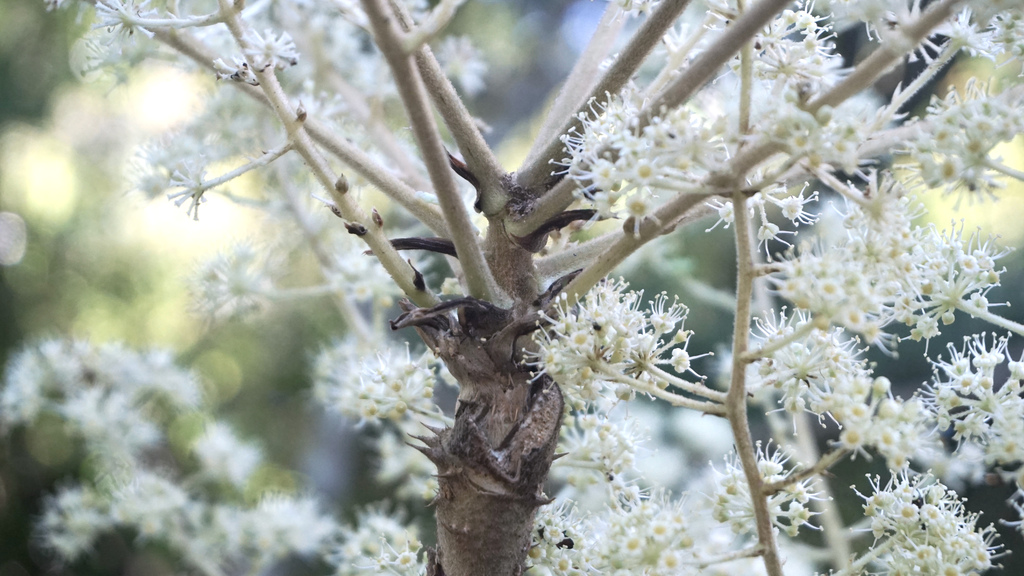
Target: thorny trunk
493,462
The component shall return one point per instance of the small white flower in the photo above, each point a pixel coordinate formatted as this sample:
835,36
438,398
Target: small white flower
270,51
224,456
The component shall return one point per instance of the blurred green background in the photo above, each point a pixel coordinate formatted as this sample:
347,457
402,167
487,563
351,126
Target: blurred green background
100,264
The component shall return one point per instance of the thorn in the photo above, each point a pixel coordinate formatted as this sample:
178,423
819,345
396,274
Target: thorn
559,455
417,280
430,453
377,219
437,430
300,115
462,170
438,245
430,441
535,241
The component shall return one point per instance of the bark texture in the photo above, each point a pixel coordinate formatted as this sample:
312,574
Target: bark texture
492,463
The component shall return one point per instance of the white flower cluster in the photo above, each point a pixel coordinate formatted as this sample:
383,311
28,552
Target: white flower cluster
636,534
823,372
189,177
463,63
234,283
380,543
394,389
113,398
124,17
205,535
121,404
830,136
966,399
270,50
621,168
796,47
599,449
792,206
560,541
952,148
788,507
606,345
1008,33
887,269
921,527
224,457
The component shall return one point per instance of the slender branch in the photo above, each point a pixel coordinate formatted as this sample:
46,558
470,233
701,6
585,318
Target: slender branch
575,257
410,88
479,157
833,529
678,57
846,190
357,104
991,318
382,137
349,313
746,77
650,228
713,57
872,553
379,176
699,389
401,271
263,160
903,96
1004,169
436,21
879,61
651,389
177,23
582,77
536,170
748,552
736,401
779,343
822,464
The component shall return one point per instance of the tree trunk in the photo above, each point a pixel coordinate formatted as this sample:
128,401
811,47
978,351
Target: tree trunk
492,463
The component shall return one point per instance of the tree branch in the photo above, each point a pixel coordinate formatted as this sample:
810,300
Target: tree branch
682,88
479,158
401,271
575,257
379,176
880,61
736,400
649,229
536,170
713,57
582,77
407,79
